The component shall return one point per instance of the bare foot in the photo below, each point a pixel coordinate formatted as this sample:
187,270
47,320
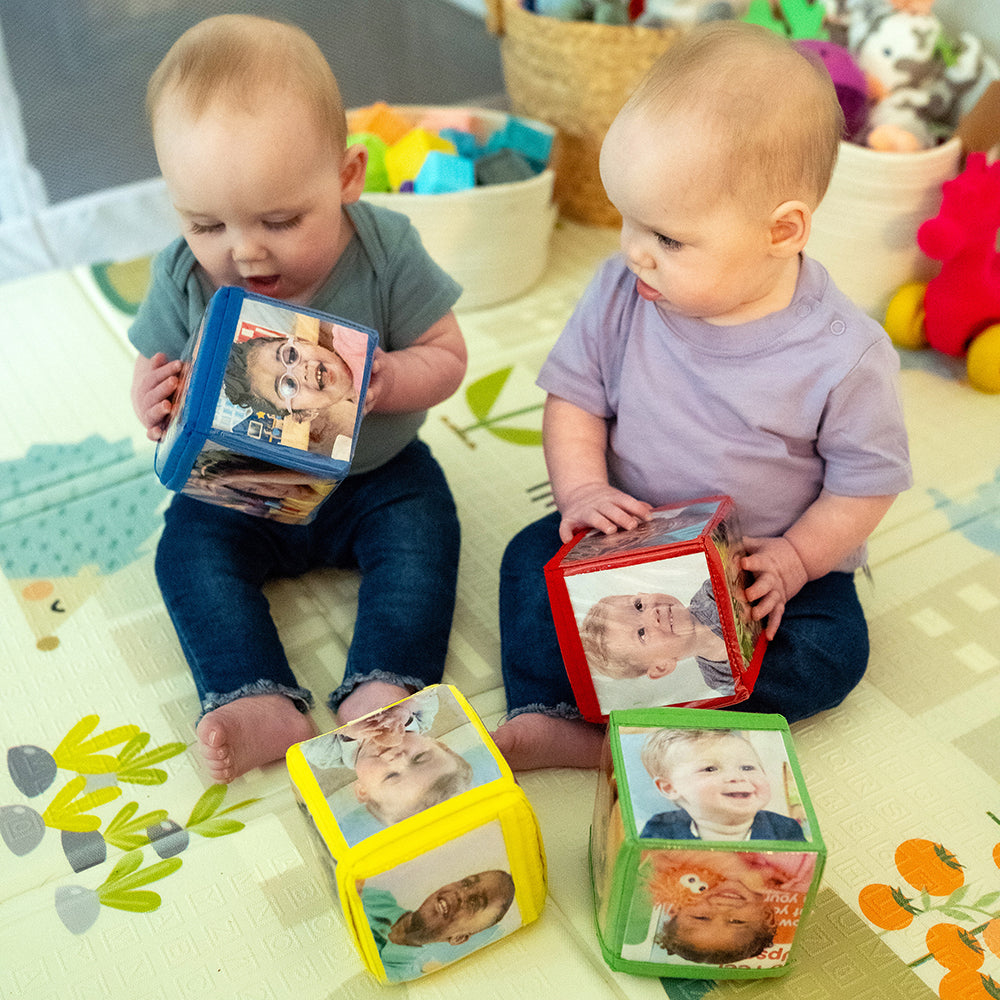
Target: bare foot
533,740
250,732
369,697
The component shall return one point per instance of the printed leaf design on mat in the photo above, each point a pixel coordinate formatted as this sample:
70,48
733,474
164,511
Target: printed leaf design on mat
70,810
135,767
482,396
939,885
79,907
206,821
80,752
128,831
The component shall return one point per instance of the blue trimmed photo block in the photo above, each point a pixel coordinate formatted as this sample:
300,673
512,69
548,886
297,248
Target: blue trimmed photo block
705,851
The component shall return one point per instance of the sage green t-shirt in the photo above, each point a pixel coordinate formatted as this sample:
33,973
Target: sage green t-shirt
384,279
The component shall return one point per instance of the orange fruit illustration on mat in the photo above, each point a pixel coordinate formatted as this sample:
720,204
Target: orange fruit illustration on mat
991,936
954,947
967,984
885,907
929,866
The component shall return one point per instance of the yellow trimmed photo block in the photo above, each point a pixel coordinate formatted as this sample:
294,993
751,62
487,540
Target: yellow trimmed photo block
432,848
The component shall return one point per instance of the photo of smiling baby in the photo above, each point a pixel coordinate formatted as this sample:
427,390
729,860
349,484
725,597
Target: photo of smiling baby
394,763
716,784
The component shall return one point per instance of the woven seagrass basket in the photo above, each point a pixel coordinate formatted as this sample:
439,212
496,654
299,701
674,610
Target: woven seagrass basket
575,76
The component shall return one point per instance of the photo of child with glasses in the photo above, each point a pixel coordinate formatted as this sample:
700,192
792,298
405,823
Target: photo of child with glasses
317,383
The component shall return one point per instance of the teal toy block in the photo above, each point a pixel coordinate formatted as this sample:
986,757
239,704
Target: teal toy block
466,144
705,851
376,175
404,159
503,167
442,173
532,143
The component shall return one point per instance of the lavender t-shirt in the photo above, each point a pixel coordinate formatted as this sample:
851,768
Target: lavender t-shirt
769,412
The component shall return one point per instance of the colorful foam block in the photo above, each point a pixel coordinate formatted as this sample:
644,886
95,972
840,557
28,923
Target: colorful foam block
376,176
532,143
381,120
444,172
457,827
404,158
685,560
663,863
503,167
451,119
465,142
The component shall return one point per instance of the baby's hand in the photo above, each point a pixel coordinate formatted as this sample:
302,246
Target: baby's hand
379,380
154,381
600,506
778,576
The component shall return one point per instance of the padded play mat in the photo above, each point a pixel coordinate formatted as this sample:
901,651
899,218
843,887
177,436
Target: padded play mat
126,874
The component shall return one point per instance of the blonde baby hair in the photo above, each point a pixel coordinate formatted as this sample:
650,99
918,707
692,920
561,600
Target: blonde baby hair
771,111
233,59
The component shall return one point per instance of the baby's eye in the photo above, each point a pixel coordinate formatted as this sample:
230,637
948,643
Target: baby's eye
200,228
641,633
637,604
668,242
279,224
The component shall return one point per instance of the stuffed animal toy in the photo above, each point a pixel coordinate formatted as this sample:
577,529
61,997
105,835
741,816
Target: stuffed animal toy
920,84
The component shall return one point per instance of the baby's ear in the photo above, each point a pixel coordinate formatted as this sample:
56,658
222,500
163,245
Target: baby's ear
661,669
666,789
352,173
791,223
360,792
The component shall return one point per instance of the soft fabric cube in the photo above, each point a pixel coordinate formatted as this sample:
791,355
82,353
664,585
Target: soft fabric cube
705,851
404,158
431,847
657,616
249,451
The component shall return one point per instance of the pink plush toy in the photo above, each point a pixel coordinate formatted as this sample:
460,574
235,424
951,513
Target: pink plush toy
964,299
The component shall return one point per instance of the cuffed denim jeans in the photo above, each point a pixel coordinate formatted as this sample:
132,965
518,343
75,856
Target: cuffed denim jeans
817,657
396,525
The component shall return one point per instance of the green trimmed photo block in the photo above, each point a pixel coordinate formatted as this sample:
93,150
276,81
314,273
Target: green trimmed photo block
705,851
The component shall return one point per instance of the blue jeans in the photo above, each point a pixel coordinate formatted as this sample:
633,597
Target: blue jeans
397,525
818,656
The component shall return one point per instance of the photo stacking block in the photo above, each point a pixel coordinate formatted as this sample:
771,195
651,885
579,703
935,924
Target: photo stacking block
404,158
430,846
705,852
266,417
657,616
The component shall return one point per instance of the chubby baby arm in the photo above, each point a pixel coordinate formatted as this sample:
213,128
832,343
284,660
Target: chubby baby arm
154,381
817,543
575,444
419,376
